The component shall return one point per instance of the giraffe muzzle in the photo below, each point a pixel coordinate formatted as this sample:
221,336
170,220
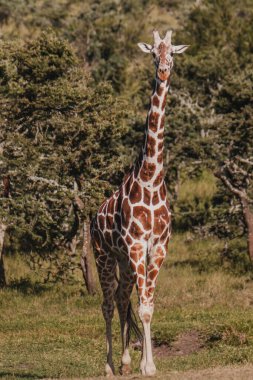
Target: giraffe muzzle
163,73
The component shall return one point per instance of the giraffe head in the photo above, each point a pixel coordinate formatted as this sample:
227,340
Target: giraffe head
162,51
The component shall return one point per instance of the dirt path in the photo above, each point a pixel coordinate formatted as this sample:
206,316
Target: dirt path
244,372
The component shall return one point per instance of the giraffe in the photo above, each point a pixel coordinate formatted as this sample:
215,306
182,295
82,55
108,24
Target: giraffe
131,229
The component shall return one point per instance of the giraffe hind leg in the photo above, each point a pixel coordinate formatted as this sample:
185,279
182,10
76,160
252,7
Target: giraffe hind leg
106,266
122,298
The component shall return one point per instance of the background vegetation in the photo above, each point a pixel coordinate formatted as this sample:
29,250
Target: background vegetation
74,96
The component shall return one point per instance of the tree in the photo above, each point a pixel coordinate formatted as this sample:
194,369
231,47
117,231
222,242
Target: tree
55,130
218,78
234,102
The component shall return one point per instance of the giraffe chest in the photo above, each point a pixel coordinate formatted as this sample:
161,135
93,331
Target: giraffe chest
142,215
149,222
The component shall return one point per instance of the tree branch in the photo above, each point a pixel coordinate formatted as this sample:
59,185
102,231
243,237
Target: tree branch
244,160
240,193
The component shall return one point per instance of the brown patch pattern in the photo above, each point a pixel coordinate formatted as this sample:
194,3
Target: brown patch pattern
163,192
156,101
135,194
155,199
126,213
160,146
153,121
135,231
160,135
151,144
143,214
159,178
147,171
162,122
161,220
128,184
160,158
147,196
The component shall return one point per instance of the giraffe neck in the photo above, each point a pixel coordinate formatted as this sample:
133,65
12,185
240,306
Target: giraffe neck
150,162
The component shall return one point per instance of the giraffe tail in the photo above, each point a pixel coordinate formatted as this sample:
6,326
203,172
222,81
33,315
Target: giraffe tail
132,325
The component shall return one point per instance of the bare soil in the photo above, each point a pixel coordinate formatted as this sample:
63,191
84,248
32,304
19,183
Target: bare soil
186,343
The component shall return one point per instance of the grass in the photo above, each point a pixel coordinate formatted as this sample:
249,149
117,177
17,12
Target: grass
202,188
57,331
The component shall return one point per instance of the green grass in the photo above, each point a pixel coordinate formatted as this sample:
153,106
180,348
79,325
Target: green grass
58,331
202,188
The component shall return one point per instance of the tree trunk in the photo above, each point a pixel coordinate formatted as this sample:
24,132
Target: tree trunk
2,270
86,262
248,215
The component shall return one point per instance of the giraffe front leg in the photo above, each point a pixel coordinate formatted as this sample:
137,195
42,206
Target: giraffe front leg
146,309
143,357
147,366
138,263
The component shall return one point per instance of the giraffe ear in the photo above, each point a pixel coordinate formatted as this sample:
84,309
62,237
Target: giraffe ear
145,47
179,49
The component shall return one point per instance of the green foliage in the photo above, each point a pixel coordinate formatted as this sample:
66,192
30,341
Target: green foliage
57,128
216,104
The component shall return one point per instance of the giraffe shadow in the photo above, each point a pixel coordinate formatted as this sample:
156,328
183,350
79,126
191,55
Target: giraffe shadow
14,375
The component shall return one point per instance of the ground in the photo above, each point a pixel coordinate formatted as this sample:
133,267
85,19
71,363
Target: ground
202,325
225,373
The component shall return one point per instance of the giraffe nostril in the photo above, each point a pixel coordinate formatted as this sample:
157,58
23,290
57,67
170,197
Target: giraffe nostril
163,70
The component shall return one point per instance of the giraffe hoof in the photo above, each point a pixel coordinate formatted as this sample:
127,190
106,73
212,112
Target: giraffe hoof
150,370
108,371
125,369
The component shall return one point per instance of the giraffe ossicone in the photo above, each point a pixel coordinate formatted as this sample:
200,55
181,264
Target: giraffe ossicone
131,229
